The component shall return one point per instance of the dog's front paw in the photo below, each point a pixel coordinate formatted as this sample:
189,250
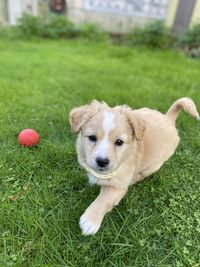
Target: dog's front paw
89,223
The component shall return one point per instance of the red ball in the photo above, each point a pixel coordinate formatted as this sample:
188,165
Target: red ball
28,137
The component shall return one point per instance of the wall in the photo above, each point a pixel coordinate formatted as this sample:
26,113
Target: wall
17,7
3,12
117,16
171,12
196,14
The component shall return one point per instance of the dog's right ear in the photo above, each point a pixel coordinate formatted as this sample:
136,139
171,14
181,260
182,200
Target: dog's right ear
78,117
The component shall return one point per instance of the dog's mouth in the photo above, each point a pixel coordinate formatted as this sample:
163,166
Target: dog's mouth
102,173
102,170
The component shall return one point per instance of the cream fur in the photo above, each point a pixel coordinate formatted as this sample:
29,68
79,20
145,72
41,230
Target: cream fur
108,125
150,138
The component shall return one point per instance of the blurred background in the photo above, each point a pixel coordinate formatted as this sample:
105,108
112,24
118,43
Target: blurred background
116,16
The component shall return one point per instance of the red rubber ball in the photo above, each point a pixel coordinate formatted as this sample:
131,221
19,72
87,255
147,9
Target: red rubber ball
28,137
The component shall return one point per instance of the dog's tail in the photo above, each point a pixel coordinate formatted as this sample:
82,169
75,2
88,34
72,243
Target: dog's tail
185,104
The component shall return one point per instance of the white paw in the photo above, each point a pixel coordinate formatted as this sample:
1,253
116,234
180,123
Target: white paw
88,226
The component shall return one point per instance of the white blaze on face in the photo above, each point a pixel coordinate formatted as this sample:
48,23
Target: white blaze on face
108,125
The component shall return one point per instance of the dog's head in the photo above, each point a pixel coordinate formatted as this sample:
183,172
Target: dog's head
106,135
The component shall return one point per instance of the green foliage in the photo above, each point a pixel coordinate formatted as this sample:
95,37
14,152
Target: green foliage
56,26
91,32
29,25
191,38
51,27
154,35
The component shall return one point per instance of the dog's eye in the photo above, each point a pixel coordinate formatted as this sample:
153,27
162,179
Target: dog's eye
92,138
119,142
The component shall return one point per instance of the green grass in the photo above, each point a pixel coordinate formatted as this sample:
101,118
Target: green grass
158,221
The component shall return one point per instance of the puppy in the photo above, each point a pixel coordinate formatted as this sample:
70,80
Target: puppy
119,147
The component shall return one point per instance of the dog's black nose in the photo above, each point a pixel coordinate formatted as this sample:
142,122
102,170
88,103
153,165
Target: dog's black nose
102,162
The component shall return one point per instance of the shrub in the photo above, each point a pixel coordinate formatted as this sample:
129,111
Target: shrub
154,35
191,38
54,26
29,25
57,26
91,31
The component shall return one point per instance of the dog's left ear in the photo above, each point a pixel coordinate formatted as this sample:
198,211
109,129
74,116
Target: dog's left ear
136,123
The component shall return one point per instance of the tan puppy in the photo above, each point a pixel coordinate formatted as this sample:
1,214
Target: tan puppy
119,147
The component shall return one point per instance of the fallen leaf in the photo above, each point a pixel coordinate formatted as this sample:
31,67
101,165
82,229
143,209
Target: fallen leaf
14,197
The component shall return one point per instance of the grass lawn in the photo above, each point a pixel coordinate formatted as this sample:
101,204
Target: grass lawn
43,191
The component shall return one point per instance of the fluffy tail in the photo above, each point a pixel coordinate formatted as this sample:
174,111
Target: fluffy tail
185,104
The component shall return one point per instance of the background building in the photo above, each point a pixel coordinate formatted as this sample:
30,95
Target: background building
117,16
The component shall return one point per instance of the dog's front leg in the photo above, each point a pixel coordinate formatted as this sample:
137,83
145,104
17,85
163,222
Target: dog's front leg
91,220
